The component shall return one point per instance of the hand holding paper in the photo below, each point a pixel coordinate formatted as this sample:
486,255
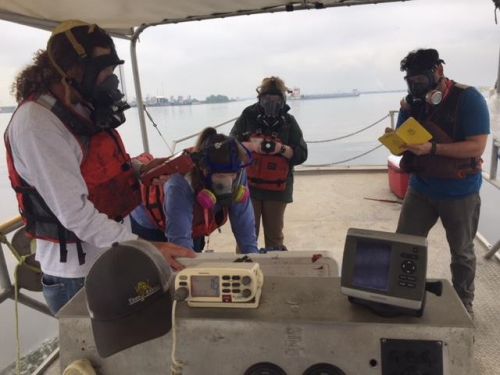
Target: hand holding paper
411,132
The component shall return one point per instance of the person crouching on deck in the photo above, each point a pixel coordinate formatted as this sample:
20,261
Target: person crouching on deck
190,206
73,179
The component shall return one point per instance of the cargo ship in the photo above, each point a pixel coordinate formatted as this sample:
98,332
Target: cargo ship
296,95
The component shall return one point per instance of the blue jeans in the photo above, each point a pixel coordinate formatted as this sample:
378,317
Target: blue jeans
59,290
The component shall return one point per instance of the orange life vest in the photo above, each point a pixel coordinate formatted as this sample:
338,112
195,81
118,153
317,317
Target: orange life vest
268,172
106,169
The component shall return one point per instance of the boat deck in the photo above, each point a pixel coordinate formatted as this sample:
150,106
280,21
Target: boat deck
327,203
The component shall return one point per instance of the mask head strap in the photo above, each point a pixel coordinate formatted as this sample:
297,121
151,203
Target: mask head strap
65,28
92,65
234,163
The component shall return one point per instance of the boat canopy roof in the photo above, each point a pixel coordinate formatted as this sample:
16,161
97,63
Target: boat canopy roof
123,17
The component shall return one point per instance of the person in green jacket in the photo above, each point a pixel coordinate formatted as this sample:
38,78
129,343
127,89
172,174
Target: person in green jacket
277,144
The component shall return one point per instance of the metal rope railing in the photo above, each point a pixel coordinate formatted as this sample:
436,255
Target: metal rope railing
157,128
390,114
177,141
351,134
341,161
185,138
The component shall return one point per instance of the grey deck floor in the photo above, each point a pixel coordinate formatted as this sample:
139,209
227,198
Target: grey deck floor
327,204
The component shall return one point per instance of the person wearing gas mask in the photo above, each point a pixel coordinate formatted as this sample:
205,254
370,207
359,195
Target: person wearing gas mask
74,181
275,139
445,172
201,197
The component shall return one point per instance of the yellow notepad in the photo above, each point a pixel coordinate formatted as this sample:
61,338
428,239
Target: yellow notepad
409,133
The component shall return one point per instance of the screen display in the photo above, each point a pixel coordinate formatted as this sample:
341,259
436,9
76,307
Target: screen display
205,286
371,266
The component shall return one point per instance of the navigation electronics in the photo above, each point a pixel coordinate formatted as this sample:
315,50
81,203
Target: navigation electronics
384,268
221,284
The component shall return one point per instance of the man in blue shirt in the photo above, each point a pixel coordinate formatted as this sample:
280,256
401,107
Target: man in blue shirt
445,172
199,202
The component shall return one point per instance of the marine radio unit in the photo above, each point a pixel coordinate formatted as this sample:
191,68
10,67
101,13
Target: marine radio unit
236,285
385,268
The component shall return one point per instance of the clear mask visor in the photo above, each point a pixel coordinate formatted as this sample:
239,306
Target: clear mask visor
272,104
223,187
419,85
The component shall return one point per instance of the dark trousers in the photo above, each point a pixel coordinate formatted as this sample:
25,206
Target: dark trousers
149,234
460,219
272,214
156,235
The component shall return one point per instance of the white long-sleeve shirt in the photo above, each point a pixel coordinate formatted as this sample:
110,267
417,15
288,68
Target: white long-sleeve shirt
47,156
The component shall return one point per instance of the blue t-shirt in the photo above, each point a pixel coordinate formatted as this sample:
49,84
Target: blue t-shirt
472,119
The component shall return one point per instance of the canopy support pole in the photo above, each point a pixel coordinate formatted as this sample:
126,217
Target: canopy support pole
137,85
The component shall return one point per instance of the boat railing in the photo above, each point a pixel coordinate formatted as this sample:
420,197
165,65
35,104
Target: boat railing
391,115
392,118
495,155
7,289
193,135
13,291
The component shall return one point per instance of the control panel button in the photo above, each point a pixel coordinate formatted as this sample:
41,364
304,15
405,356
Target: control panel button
226,290
409,256
410,285
237,291
401,277
226,284
408,266
226,277
183,277
236,277
236,285
183,283
246,293
402,283
246,280
411,278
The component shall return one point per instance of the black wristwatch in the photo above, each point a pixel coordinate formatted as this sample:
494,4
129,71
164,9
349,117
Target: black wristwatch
433,147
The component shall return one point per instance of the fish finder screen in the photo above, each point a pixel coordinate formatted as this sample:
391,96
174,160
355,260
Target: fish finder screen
371,266
204,286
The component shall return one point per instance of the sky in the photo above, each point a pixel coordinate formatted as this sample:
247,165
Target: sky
319,51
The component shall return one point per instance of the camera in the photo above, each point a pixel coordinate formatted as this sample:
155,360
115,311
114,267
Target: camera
267,146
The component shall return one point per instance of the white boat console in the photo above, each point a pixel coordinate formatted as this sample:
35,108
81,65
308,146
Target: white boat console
303,325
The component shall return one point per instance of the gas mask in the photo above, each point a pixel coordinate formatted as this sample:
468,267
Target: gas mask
272,104
223,187
423,88
105,98
223,179
105,101
108,104
225,190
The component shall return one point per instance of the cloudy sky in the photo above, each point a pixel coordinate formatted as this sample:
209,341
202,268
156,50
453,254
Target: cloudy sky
319,51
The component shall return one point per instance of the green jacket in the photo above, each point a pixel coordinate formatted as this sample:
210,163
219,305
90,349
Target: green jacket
287,130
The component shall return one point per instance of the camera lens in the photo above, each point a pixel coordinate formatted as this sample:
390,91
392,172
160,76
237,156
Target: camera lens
267,146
